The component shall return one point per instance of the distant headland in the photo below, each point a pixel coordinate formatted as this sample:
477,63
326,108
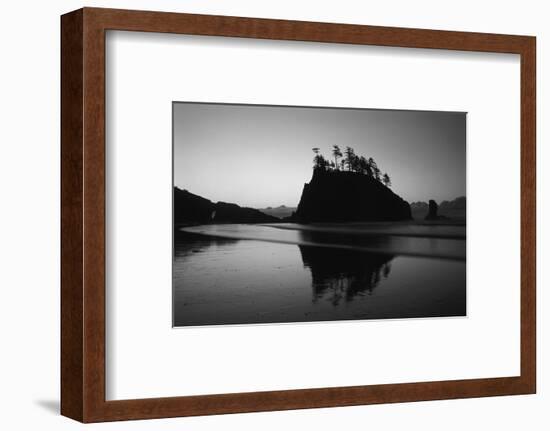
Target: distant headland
193,209
454,209
346,188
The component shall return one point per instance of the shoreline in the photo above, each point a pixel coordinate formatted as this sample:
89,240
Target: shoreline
415,230
340,239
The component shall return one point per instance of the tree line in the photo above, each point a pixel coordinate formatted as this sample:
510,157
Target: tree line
348,160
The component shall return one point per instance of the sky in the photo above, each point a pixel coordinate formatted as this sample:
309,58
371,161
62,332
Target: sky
259,156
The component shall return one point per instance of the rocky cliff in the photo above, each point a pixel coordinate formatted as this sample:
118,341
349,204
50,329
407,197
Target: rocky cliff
191,209
341,196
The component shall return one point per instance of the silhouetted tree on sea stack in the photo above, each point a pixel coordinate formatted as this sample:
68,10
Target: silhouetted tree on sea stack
350,162
386,180
337,153
319,162
364,167
342,164
349,157
374,168
347,190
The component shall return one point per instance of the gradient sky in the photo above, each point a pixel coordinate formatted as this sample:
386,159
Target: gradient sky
259,156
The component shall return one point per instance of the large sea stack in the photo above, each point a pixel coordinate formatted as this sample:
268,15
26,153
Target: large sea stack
343,196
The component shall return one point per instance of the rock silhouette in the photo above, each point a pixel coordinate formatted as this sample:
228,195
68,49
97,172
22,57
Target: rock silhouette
281,211
342,276
456,206
454,209
192,209
432,210
344,196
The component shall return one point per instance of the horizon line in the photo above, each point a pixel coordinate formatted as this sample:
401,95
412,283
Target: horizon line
274,206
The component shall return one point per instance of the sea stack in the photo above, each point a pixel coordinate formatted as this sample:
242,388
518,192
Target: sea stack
432,210
344,196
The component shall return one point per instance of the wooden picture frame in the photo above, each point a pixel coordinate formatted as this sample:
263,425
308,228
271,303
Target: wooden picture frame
83,214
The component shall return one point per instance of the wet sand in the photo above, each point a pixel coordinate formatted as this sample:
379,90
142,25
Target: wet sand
443,242
240,274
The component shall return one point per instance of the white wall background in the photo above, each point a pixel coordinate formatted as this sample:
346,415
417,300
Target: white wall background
29,216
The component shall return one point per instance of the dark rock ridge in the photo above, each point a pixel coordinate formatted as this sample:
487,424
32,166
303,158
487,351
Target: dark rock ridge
454,205
432,211
280,211
454,209
342,196
192,209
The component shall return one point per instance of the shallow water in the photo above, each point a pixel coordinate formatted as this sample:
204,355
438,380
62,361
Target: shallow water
238,274
435,241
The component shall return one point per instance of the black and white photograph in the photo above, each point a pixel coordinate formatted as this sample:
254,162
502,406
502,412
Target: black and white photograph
275,215
305,214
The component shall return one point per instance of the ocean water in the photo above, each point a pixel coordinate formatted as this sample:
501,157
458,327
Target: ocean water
243,274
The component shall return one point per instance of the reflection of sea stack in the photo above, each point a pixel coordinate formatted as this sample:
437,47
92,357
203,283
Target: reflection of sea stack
432,210
342,196
344,274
